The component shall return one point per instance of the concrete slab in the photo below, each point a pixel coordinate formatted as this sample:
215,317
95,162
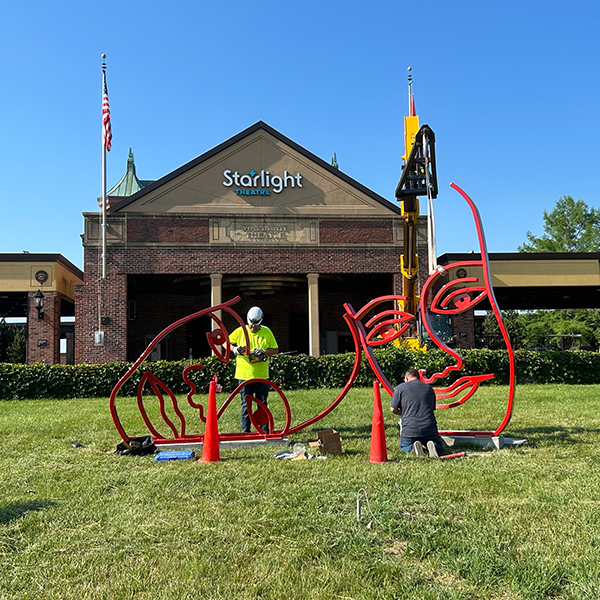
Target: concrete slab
225,445
492,442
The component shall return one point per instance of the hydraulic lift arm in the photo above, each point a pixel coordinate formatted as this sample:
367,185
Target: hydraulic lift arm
418,178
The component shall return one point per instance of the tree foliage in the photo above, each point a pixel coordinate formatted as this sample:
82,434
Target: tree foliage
13,343
17,349
542,329
541,325
572,226
7,335
489,332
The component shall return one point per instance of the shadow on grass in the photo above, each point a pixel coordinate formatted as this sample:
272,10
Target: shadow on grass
19,509
559,434
360,432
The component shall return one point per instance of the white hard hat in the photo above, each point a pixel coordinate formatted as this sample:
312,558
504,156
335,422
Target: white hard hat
255,316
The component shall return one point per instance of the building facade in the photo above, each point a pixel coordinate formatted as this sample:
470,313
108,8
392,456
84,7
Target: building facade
41,289
258,217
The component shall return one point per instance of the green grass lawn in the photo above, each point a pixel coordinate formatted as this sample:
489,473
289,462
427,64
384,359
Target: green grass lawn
83,523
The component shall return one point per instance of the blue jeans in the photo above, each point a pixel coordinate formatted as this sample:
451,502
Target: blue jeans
406,443
260,391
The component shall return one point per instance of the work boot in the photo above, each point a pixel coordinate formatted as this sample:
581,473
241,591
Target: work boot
433,453
418,448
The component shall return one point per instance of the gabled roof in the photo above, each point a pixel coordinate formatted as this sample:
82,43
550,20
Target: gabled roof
147,193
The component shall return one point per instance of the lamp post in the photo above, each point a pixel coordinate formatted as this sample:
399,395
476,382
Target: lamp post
38,302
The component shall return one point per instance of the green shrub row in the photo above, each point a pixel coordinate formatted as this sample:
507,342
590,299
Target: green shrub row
294,372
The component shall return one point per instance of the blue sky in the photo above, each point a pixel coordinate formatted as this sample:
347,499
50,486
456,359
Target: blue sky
511,90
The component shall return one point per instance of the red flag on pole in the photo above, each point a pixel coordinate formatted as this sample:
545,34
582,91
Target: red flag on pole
106,130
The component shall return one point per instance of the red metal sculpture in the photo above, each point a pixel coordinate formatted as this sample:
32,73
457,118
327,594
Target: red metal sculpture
457,296
453,297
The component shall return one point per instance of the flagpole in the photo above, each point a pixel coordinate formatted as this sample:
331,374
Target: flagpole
103,174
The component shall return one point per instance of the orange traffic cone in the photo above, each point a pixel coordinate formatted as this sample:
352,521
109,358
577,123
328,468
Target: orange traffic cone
210,447
378,447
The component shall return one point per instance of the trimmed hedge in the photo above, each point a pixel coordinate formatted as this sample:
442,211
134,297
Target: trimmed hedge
294,372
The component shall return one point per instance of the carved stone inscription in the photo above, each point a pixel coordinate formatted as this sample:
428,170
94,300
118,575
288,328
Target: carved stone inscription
253,231
262,233
115,231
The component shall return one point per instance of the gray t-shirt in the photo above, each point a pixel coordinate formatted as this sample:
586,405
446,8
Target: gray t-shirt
416,401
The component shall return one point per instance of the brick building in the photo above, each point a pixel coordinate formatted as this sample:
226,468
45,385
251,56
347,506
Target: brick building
40,289
258,216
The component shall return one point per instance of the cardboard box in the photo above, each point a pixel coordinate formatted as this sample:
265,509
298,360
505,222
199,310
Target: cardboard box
329,442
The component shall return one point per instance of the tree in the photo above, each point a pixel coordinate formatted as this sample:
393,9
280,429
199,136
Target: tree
6,338
490,335
17,350
542,328
572,226
541,325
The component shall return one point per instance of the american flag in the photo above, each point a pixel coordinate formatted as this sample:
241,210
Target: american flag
106,130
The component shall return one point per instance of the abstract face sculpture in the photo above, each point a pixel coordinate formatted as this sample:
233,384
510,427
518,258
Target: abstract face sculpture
369,331
468,285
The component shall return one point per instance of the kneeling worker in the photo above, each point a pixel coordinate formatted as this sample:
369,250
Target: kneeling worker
255,366
414,401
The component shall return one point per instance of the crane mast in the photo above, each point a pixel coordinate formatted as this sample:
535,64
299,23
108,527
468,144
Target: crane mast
418,178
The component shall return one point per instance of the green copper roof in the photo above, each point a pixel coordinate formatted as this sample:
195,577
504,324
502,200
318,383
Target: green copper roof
129,183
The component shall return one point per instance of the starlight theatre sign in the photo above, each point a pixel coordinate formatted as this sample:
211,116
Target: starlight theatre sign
260,184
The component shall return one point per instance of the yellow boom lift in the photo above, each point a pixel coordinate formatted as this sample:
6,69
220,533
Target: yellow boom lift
418,178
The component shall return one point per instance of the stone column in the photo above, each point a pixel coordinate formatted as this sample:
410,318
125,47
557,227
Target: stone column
216,296
313,314
43,335
70,357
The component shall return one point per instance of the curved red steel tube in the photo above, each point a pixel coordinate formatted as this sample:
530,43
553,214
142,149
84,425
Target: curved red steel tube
383,332
286,404
353,375
140,402
487,276
263,410
192,391
488,290
225,342
466,383
207,311
366,342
